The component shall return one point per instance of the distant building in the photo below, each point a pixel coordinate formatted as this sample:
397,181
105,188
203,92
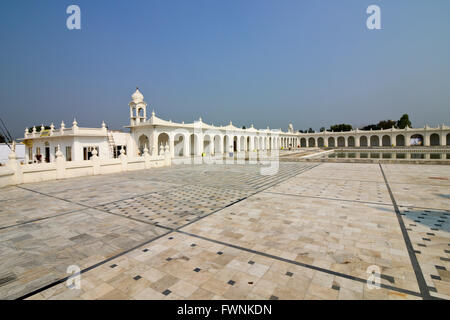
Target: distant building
199,138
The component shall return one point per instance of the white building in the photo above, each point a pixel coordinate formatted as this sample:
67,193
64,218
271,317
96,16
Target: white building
200,139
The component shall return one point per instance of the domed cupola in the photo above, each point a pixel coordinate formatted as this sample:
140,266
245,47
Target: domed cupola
138,108
137,96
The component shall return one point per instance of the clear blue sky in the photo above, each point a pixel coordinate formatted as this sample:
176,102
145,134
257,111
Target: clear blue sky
312,63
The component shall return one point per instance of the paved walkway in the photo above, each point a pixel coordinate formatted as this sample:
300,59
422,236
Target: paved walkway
227,232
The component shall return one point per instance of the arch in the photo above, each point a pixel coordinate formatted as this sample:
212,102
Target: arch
351,141
331,142
180,145
363,141
341,142
303,142
140,112
208,145
320,142
416,140
435,140
242,141
448,139
193,146
311,142
386,141
227,146
248,144
163,138
143,141
374,141
400,140
218,147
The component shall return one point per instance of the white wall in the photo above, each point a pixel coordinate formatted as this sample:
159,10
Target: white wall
4,152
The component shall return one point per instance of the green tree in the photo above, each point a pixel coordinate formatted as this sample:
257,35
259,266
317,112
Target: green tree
371,127
403,122
387,124
341,127
310,130
322,129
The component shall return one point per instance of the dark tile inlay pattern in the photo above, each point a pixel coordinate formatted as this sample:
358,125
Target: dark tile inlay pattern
166,292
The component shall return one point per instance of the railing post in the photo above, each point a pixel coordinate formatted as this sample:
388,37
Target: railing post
95,162
123,157
14,165
147,159
167,155
60,164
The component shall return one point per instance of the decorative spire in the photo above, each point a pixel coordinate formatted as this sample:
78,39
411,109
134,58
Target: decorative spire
103,124
75,123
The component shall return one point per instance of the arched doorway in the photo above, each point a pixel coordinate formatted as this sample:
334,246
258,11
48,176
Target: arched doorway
227,147
303,142
400,140
386,141
179,145
341,142
448,139
320,142
208,147
331,142
242,143
434,140
351,141
194,147
143,142
235,144
374,141
416,140
163,138
363,141
311,142
217,145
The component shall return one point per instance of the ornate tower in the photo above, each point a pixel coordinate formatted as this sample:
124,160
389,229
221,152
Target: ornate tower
138,108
